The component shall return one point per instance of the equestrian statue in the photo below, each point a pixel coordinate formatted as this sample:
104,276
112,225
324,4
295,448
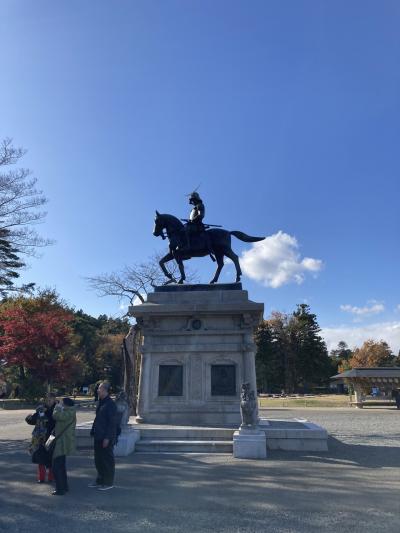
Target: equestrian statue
196,239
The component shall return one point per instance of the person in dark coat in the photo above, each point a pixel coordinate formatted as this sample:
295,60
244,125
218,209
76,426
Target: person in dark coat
96,392
43,421
397,398
104,431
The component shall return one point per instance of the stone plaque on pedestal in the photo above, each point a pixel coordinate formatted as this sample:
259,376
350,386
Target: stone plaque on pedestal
198,348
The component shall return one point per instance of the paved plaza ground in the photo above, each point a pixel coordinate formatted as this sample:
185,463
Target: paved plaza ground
354,487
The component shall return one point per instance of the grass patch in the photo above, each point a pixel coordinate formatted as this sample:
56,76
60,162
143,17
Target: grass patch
16,403
313,401
323,400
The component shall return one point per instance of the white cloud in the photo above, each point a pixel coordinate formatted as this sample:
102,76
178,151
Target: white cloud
374,309
397,309
355,336
276,261
137,300
124,306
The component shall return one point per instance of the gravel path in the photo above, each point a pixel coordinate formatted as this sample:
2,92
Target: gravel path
14,427
355,486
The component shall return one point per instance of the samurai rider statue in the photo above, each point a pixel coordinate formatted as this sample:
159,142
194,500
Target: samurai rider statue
196,239
195,230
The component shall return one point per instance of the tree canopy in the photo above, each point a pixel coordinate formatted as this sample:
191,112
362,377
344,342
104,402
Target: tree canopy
291,355
44,343
20,210
372,354
35,334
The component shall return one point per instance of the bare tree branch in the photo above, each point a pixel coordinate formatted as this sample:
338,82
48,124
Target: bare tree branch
8,153
133,281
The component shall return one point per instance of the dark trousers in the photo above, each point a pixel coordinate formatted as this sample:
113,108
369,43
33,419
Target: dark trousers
105,463
60,473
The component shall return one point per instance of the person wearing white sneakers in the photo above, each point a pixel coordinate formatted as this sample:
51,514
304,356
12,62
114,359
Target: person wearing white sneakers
104,431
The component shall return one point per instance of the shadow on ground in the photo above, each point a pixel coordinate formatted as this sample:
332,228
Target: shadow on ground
350,487
363,455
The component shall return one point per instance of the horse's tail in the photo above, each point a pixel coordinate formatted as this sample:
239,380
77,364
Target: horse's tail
246,238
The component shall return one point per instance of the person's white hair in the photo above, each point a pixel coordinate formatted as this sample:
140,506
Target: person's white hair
105,386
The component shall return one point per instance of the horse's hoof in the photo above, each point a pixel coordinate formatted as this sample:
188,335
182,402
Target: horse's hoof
212,282
180,282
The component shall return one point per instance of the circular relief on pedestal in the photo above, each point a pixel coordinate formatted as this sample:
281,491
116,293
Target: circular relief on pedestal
196,324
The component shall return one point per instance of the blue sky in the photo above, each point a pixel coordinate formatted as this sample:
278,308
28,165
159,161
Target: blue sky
287,113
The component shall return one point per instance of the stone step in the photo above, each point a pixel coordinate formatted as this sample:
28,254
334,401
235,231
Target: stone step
184,446
196,434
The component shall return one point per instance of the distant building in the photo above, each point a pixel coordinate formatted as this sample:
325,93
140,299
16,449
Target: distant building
384,378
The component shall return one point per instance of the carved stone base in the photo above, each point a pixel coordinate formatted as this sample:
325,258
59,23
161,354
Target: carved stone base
249,444
198,348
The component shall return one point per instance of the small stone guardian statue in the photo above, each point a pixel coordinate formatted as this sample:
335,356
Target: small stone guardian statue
248,407
122,409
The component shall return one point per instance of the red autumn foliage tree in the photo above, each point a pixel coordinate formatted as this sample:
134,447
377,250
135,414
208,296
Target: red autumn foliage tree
35,335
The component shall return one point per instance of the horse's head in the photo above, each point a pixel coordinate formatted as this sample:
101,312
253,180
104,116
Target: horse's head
166,222
158,225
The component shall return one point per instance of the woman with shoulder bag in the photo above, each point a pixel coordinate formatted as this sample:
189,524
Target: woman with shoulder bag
65,417
43,421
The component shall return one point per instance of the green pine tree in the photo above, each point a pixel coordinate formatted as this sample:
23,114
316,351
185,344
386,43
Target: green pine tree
313,366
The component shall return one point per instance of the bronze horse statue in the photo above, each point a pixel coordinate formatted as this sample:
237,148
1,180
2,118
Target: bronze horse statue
211,242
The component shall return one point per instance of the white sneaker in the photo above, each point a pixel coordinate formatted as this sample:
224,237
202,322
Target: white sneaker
106,487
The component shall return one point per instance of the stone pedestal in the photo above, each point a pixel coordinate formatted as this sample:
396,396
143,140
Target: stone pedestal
294,435
198,349
249,444
126,441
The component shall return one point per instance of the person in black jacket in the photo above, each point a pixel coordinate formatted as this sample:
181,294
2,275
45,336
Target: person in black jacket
104,431
396,395
44,423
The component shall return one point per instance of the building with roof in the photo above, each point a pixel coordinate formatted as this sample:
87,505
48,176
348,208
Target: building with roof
386,378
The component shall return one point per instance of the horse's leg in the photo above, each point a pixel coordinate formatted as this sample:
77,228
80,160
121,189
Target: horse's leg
220,262
231,254
162,262
181,270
